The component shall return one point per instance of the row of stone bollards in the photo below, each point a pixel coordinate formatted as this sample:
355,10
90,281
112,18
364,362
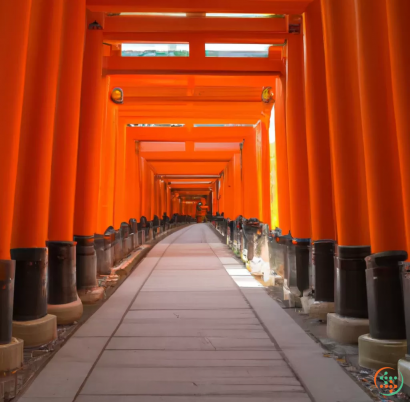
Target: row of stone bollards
363,297
41,288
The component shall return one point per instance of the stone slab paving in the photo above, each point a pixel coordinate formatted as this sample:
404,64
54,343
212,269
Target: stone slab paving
181,329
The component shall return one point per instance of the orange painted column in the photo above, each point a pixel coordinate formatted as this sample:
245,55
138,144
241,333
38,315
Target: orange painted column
169,205
107,166
346,142
119,193
319,157
386,217
282,156
266,169
385,197
237,186
88,165
345,124
229,190
37,125
398,14
31,207
62,288
144,195
130,193
67,120
14,23
317,127
296,141
138,194
89,147
251,204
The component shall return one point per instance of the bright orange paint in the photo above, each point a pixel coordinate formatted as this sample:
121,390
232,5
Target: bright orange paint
317,127
398,13
346,142
67,120
31,206
14,23
107,164
89,146
119,192
386,216
282,156
296,141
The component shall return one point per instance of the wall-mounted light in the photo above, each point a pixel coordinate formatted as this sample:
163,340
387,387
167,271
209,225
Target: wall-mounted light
117,96
267,94
95,26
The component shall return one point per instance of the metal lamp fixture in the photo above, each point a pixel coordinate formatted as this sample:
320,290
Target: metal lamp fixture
117,96
267,94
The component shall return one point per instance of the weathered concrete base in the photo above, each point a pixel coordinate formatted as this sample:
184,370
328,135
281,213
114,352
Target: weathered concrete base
378,353
11,355
66,313
294,301
125,268
320,310
307,302
404,368
90,296
36,332
346,329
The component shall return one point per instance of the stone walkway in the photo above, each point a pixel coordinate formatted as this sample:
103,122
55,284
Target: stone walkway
182,329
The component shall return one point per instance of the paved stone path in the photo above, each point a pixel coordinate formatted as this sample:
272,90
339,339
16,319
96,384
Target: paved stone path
178,330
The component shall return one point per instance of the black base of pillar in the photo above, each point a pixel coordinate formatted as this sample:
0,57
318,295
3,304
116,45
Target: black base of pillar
86,262
405,276
30,286
7,273
385,295
118,251
302,264
61,272
109,236
102,245
323,256
126,243
350,281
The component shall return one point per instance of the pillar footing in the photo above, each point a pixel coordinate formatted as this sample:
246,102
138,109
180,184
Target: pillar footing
66,313
36,332
319,310
91,296
404,368
11,355
378,353
346,329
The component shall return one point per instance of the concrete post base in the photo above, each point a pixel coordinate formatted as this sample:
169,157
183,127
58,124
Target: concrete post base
36,332
11,355
66,313
346,329
307,302
404,368
320,310
91,296
378,353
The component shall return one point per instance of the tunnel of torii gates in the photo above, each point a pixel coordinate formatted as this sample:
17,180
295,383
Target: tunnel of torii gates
312,139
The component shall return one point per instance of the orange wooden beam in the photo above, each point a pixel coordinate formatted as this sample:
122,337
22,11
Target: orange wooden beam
174,65
197,37
170,167
214,156
195,24
176,134
211,6
192,82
